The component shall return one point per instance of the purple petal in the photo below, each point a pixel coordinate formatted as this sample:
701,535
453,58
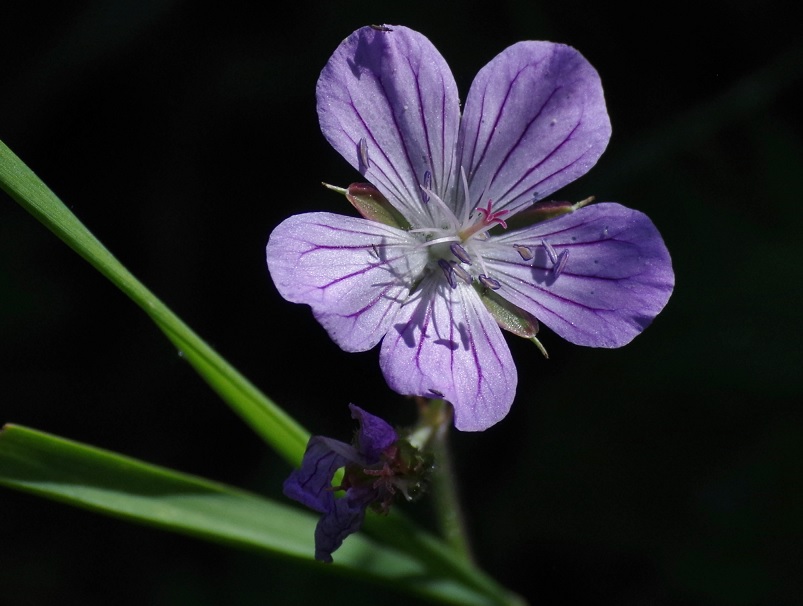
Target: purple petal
374,435
534,121
354,273
393,90
617,277
311,484
444,343
345,518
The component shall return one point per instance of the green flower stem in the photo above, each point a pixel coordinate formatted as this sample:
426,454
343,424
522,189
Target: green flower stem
433,434
269,421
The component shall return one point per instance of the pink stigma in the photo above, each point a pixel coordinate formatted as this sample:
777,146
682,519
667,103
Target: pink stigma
489,217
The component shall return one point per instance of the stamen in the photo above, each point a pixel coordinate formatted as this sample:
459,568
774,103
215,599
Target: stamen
489,282
550,252
438,240
446,212
461,253
448,271
436,392
427,185
563,257
464,275
526,253
466,202
364,153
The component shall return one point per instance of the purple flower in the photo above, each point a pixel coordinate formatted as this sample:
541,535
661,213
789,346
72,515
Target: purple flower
534,121
377,468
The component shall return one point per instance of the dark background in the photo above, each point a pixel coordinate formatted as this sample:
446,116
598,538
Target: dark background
181,133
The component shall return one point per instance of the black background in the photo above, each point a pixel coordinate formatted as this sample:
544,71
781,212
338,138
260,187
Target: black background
181,133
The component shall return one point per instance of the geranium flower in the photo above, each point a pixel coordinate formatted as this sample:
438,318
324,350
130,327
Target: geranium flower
378,467
426,275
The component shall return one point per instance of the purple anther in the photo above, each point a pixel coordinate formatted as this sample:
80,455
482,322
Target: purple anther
448,271
427,185
550,252
462,273
436,392
563,257
364,153
461,253
489,282
526,253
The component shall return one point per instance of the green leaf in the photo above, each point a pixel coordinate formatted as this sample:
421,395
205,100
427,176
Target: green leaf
267,419
116,485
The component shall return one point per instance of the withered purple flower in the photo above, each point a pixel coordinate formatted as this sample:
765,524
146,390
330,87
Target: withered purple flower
378,467
421,271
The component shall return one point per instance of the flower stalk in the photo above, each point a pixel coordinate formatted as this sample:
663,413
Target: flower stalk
445,492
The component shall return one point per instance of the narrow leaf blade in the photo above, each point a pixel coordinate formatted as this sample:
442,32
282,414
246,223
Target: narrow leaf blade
109,483
265,417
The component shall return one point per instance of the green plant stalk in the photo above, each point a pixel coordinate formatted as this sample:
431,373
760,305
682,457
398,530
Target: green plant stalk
447,501
431,435
436,419
269,421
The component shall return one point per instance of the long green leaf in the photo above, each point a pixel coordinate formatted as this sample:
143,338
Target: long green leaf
112,484
267,419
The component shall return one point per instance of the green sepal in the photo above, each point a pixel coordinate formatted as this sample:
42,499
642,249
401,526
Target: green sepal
372,205
511,317
545,209
417,466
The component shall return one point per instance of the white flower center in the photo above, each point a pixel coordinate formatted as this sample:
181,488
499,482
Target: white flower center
455,245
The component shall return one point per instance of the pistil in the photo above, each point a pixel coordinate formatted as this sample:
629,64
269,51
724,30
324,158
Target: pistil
488,220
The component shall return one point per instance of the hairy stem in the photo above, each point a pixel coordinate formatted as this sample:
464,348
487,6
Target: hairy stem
437,416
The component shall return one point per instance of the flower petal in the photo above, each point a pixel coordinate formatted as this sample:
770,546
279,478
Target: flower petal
354,273
392,94
311,484
617,275
534,121
345,518
444,343
374,435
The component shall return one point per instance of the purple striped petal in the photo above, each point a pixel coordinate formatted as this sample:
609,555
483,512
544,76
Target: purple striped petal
374,434
354,273
345,518
444,343
617,275
392,91
534,121
311,484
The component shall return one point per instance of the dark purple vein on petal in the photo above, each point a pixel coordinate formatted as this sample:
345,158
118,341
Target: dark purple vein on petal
499,117
541,163
523,133
389,181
